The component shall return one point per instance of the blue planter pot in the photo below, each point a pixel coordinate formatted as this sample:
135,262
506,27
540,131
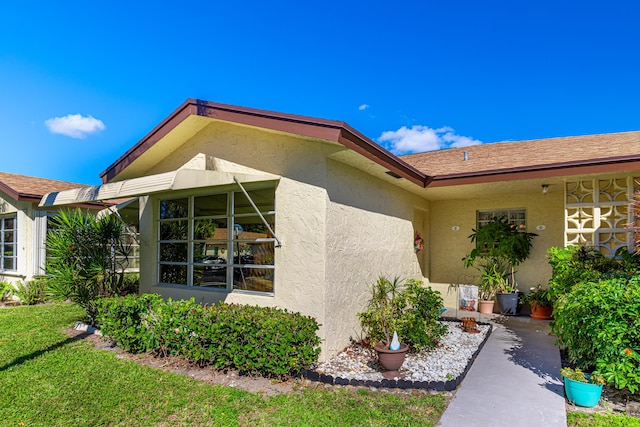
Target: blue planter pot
582,394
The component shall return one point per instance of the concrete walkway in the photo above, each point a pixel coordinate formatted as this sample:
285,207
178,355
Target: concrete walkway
514,381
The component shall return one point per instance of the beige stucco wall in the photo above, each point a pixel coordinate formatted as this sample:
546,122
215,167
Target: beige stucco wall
339,228
448,247
370,232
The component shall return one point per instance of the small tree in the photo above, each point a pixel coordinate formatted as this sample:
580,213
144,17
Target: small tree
86,258
501,241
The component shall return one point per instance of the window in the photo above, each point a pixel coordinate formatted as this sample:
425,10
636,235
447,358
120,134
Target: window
8,243
516,217
218,241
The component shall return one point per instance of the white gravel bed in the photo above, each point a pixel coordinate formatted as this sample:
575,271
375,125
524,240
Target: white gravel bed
445,362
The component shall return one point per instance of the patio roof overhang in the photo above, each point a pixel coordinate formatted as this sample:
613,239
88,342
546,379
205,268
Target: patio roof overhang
181,179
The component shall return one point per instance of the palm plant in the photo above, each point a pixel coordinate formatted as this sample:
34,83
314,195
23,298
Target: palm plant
86,258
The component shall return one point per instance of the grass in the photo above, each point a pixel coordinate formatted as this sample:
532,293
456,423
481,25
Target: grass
49,379
580,419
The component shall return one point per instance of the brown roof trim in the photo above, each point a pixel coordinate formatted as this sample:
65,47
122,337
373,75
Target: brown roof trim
300,125
354,140
601,165
10,191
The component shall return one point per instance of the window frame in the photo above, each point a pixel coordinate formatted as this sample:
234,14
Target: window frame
232,241
515,216
14,242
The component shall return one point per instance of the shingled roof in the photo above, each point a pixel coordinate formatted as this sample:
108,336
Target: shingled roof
541,154
29,188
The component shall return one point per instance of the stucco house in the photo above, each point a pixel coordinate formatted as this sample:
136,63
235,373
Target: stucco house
258,207
23,224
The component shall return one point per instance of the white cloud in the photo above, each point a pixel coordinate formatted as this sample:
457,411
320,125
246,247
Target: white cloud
418,139
363,107
74,125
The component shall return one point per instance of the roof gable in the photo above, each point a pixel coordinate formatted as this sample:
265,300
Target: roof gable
328,130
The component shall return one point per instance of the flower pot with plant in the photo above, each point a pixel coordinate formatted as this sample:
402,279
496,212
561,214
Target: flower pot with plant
406,309
541,303
505,245
492,279
582,389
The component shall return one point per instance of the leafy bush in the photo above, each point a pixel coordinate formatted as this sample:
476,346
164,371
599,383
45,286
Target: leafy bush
599,324
125,320
86,258
576,264
412,312
254,340
31,292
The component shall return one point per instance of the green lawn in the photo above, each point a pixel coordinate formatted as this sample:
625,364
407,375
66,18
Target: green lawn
49,379
579,419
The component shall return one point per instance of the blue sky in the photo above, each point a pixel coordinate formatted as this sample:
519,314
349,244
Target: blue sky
81,82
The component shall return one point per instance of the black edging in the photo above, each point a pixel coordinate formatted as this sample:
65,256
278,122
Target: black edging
449,385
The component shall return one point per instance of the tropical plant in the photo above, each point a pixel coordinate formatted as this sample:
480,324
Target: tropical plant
493,278
86,258
503,242
410,309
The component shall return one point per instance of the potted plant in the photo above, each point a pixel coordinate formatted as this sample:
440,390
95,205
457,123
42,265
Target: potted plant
541,303
504,242
379,321
491,280
582,389
408,310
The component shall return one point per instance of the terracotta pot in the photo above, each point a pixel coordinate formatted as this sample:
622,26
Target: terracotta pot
485,307
391,360
541,313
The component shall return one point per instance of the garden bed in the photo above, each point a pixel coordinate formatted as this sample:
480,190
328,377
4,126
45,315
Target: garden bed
442,368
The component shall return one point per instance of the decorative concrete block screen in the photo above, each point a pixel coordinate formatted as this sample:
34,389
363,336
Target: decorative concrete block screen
597,213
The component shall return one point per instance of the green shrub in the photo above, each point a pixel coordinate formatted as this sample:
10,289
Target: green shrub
178,328
251,339
599,323
573,265
31,292
124,319
412,312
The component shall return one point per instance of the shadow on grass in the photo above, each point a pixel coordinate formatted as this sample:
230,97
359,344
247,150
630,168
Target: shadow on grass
38,353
